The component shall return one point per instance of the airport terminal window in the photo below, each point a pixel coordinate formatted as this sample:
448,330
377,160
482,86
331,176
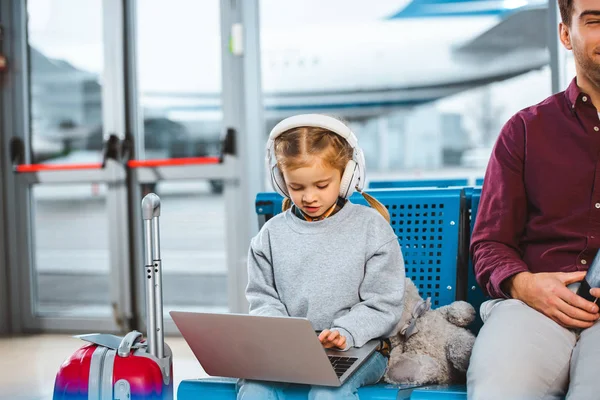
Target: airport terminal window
66,62
69,223
569,67
424,84
71,269
193,247
179,67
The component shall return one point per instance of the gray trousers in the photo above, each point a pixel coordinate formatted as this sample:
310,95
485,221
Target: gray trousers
522,354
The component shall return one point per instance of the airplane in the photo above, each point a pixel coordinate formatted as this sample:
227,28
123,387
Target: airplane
428,50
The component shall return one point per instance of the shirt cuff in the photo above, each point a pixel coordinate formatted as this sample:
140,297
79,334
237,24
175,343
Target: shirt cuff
499,275
349,338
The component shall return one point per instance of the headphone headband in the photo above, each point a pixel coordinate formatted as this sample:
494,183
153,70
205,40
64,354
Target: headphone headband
353,178
317,121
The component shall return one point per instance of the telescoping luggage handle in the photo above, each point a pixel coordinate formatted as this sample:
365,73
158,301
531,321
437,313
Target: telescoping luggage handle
153,276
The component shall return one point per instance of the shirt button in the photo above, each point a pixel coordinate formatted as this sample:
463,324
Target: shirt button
597,205
583,262
584,98
596,129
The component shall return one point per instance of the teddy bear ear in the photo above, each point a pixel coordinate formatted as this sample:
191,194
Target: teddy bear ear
459,313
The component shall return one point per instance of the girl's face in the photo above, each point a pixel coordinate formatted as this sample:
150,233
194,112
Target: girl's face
314,189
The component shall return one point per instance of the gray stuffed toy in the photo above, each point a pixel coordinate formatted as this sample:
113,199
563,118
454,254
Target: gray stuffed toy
431,346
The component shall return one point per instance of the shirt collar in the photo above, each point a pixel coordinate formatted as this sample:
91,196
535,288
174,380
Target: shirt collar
575,96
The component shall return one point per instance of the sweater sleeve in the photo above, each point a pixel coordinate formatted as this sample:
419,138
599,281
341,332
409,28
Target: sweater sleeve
261,291
381,293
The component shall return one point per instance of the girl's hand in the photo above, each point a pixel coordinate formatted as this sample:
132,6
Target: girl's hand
330,339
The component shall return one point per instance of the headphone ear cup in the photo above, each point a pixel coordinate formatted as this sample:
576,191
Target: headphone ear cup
348,179
278,182
360,173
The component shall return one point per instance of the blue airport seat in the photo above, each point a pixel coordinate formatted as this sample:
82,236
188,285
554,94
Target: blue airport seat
479,182
225,389
427,223
419,183
475,295
268,204
441,392
207,388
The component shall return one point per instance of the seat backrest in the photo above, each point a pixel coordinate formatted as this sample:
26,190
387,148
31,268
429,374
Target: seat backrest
475,198
426,222
422,183
475,295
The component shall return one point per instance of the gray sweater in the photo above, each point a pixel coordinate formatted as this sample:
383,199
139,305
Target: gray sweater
345,272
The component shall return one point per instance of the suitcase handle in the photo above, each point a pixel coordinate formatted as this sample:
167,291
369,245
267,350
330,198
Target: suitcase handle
150,206
153,276
127,343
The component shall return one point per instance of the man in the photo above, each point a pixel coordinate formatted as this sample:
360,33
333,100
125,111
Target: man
536,233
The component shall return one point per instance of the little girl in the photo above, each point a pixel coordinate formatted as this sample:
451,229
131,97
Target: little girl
333,262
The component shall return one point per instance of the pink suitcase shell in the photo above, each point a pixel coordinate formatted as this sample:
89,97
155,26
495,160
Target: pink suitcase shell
127,368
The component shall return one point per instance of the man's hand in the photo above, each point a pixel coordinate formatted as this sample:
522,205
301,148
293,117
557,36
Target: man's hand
330,339
548,294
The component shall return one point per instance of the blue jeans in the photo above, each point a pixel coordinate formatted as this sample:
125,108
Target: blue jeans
369,373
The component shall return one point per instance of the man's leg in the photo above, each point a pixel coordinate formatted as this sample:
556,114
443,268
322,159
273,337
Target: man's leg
519,354
585,383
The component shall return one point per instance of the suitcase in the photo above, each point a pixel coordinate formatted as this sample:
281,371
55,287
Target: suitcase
126,368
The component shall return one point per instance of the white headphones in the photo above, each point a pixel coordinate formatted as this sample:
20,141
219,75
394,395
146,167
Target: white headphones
353,177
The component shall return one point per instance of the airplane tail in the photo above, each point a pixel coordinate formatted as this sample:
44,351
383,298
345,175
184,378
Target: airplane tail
462,8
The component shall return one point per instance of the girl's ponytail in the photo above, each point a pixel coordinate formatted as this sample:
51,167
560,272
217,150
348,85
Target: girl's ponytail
287,204
373,202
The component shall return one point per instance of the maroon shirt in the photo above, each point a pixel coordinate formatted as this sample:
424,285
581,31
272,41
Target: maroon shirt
540,203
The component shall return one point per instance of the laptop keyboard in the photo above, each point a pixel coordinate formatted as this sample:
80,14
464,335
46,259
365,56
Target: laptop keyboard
341,364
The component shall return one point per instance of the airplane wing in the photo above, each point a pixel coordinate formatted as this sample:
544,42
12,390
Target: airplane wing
523,29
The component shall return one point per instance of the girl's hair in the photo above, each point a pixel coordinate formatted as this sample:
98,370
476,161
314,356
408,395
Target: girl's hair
294,149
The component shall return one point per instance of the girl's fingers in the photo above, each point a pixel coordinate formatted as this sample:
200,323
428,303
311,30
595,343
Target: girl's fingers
323,335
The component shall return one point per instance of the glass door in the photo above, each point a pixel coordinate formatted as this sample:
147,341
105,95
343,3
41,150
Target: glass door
119,99
179,106
70,200
199,107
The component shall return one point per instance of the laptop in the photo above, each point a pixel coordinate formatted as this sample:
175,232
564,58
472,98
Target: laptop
278,349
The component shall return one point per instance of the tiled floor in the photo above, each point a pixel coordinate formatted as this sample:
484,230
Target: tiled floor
28,364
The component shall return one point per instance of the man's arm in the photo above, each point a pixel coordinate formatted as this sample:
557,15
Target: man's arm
499,226
502,214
